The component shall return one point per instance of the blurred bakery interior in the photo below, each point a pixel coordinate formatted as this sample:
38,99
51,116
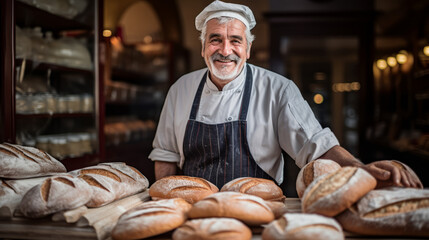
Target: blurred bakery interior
86,80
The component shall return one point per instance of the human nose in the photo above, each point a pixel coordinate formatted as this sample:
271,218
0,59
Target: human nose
225,49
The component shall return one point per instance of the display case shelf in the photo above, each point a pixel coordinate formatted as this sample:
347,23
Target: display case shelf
55,115
42,66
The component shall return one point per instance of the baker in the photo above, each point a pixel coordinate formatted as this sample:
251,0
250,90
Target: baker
233,119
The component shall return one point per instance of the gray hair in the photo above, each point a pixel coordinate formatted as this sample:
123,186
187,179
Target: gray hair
223,20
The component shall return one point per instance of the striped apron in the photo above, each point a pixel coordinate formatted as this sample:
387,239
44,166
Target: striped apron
220,152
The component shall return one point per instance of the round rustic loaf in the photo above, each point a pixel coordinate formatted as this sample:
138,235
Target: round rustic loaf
390,211
263,188
250,209
332,193
192,189
213,229
303,226
313,170
151,219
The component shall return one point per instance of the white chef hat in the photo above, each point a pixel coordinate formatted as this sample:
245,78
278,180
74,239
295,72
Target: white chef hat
222,9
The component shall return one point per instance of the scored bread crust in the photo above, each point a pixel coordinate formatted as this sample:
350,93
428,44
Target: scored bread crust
151,218
313,170
55,194
250,209
303,226
17,162
390,211
263,188
192,189
213,229
332,193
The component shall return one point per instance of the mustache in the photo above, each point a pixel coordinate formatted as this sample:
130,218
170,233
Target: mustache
218,56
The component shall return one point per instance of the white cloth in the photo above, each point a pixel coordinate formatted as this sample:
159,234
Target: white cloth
278,118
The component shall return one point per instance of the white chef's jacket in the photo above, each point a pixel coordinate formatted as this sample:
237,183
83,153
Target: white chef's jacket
278,118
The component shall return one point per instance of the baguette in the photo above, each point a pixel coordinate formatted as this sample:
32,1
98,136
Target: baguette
332,193
18,162
250,209
313,170
151,218
213,229
390,211
55,194
111,181
303,226
11,193
263,188
192,189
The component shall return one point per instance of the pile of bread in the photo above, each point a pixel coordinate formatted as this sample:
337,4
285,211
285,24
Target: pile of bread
34,184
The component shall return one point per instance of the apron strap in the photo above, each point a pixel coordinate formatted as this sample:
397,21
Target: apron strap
196,103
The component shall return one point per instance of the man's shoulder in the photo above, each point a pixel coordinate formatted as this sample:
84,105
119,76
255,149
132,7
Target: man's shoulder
267,76
189,79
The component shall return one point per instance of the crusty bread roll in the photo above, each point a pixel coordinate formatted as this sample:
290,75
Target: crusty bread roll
389,183
55,194
313,170
263,188
151,218
25,162
332,193
278,208
111,181
250,209
11,193
389,211
213,229
192,189
303,226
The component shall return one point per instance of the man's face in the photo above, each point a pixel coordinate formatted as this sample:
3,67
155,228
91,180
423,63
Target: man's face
225,50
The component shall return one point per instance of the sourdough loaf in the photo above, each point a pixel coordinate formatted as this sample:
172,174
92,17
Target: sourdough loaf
111,181
11,193
389,211
151,218
303,226
332,193
55,194
313,170
192,189
213,229
263,188
25,162
250,209
278,208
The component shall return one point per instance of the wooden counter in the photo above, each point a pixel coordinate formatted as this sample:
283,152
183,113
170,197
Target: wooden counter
45,228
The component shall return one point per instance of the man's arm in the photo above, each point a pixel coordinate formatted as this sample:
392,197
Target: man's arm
164,169
382,170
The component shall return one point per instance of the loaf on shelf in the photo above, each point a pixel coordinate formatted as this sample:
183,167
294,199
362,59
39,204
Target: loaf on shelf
263,188
18,162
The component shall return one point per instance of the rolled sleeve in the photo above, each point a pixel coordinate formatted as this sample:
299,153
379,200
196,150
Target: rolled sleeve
158,154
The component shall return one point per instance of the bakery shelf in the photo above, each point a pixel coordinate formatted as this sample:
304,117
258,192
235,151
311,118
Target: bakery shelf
49,66
55,115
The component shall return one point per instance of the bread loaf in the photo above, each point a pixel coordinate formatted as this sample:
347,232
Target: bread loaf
192,189
151,218
55,194
332,193
400,165
18,162
278,208
111,181
303,226
11,193
213,229
250,209
263,188
313,170
390,211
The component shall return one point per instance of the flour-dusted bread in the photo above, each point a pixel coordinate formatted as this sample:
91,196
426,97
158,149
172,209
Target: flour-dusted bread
192,189
278,208
390,211
111,181
263,188
301,226
250,209
55,194
213,229
332,193
151,219
313,170
18,162
11,193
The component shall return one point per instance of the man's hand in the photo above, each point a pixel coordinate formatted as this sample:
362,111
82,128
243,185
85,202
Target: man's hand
393,173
